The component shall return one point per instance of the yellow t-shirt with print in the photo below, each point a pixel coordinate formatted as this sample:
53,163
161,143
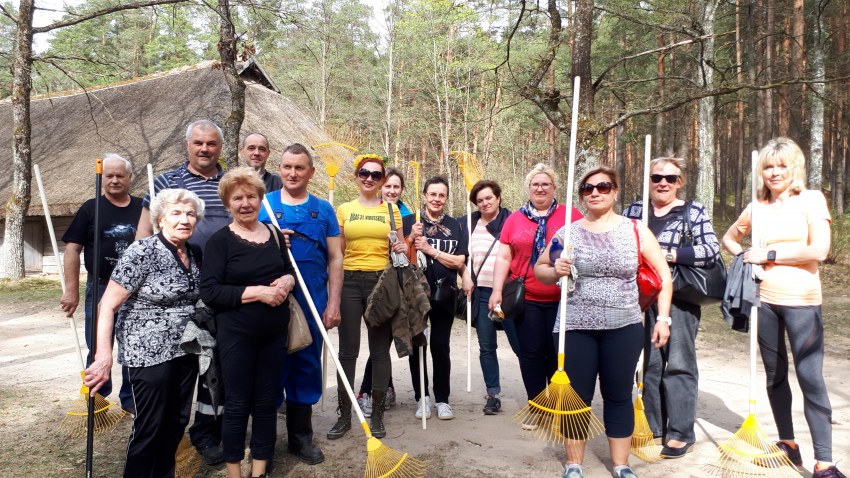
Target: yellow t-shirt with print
365,230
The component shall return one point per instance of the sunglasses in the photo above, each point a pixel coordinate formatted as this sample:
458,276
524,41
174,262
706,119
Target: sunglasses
364,174
604,187
671,178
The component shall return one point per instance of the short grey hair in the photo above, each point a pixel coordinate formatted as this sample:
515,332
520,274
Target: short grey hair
112,157
204,125
170,197
541,168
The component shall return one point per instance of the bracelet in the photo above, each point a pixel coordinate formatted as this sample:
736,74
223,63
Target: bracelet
437,255
666,319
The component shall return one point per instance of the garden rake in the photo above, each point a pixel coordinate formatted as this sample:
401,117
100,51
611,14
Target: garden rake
559,411
106,414
471,171
332,155
643,440
749,453
381,460
187,462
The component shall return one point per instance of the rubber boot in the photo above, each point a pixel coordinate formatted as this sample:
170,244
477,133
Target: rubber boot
343,423
299,428
377,425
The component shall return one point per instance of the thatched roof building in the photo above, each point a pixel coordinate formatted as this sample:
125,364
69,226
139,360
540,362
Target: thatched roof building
143,120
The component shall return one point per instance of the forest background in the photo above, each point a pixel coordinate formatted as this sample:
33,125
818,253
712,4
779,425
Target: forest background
435,80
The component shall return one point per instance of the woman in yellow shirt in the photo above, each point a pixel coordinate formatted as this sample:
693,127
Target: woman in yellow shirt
793,226
365,226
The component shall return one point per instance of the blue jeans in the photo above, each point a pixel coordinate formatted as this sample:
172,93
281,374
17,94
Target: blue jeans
487,342
124,395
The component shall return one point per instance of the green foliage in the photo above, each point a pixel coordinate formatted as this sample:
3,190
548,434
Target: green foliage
839,252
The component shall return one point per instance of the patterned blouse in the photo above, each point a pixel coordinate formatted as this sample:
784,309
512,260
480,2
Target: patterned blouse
606,294
668,230
162,299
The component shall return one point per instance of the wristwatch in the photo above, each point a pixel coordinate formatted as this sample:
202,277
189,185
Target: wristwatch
771,256
669,256
667,320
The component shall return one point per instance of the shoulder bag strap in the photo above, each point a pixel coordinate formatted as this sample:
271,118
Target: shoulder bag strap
475,273
687,230
274,235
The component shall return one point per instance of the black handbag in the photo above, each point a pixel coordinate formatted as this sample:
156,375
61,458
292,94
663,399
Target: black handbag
446,296
513,296
698,285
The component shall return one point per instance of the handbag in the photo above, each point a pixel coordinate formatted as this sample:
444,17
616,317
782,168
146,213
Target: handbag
445,295
298,336
698,285
513,296
648,280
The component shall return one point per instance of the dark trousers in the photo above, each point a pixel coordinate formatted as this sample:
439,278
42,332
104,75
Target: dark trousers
124,395
356,287
538,359
804,325
439,338
162,395
250,370
671,382
366,384
612,356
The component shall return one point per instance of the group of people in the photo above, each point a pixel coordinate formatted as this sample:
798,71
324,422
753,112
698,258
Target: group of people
204,244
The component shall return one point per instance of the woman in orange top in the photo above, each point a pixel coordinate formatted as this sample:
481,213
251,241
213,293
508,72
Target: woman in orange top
793,226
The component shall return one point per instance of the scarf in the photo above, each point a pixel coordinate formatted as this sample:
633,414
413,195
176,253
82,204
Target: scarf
430,227
540,234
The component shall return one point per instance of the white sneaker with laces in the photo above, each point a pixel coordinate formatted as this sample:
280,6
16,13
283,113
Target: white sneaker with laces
444,411
427,408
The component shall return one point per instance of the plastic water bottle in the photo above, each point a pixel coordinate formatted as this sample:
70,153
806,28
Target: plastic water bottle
555,250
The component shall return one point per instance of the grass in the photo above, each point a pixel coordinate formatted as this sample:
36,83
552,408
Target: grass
30,289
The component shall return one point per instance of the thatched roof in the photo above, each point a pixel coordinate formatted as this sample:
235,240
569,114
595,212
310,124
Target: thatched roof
145,121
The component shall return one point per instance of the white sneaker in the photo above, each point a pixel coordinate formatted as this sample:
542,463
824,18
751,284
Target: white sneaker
427,408
364,401
444,411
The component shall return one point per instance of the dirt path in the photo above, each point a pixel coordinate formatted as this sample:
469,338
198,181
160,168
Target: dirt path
39,377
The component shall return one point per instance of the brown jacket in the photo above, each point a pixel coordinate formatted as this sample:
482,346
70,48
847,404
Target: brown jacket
404,305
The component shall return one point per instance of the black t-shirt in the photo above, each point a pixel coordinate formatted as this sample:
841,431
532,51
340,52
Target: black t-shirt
118,231
455,244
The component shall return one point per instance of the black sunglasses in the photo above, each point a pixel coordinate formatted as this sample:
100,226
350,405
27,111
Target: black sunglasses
604,187
364,173
671,178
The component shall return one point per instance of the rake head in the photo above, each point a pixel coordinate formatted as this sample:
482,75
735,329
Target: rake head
643,441
748,453
469,167
106,416
382,461
560,414
187,462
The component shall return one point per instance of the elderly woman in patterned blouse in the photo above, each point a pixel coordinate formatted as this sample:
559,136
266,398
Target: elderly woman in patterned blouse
157,282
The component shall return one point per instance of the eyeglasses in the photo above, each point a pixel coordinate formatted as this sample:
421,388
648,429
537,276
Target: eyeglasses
541,185
671,178
604,187
364,174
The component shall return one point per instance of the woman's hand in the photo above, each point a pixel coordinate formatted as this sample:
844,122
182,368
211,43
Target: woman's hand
272,295
660,334
400,247
563,266
286,283
495,299
99,371
416,230
755,255
467,284
421,244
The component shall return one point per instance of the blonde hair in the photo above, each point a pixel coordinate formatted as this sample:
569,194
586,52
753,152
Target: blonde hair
169,197
239,177
784,151
540,168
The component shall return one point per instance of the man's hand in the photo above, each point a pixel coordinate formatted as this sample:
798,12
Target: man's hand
331,318
286,233
69,302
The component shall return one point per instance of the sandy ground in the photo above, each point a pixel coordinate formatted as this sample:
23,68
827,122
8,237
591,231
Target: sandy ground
39,382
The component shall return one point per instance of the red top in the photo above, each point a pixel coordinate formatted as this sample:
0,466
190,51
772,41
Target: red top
518,233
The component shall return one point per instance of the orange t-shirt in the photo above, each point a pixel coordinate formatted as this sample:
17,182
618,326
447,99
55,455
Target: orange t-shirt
785,226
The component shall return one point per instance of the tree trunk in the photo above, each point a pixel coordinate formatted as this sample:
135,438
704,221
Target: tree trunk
796,69
816,95
227,50
705,166
17,205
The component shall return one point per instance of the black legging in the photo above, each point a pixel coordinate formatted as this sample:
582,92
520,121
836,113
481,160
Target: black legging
805,332
612,355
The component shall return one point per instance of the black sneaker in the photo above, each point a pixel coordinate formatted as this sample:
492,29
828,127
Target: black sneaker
793,453
492,406
212,455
